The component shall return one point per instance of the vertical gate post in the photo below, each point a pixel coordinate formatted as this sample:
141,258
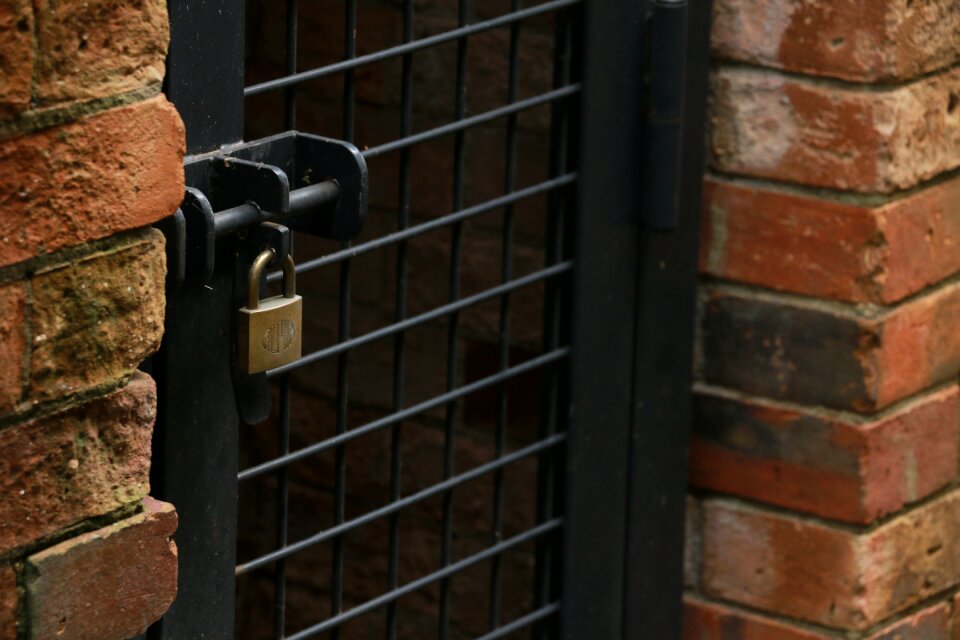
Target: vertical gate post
205,70
605,238
634,301
663,374
197,421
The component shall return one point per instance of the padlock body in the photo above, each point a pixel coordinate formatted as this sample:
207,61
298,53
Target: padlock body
269,336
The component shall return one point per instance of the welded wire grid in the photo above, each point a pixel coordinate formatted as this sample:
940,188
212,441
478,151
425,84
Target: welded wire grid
387,391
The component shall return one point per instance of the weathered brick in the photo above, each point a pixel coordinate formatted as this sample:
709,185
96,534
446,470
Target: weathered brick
827,575
98,48
774,348
108,584
851,39
827,465
9,601
16,56
95,320
915,556
955,617
926,223
932,623
835,357
82,462
12,344
771,126
707,621
919,345
116,170
783,565
819,247
711,621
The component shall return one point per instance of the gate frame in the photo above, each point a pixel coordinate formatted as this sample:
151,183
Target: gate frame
630,405
201,479
630,377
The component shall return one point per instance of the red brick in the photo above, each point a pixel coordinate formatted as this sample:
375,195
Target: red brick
829,465
828,249
926,224
929,624
920,344
108,584
96,319
98,48
783,565
9,601
838,357
85,461
852,39
783,349
827,575
16,56
12,344
117,170
915,556
705,621
792,130
955,617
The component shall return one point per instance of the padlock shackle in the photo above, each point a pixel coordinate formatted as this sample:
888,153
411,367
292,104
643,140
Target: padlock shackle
289,277
256,273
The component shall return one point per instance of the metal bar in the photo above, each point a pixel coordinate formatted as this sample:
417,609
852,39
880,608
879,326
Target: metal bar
302,201
283,506
290,93
467,123
544,575
401,503
386,421
663,375
416,45
349,53
432,225
334,622
340,462
400,314
503,356
427,316
604,303
305,199
525,621
453,332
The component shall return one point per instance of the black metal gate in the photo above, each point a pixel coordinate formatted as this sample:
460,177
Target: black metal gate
486,433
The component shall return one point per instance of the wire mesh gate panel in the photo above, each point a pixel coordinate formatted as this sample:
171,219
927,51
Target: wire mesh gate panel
419,474
405,487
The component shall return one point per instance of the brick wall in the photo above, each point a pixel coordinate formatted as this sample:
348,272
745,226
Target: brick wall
90,153
825,498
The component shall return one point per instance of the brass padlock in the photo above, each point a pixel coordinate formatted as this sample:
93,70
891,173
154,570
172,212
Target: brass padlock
269,330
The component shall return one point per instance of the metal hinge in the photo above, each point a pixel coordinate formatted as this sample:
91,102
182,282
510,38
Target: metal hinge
665,100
